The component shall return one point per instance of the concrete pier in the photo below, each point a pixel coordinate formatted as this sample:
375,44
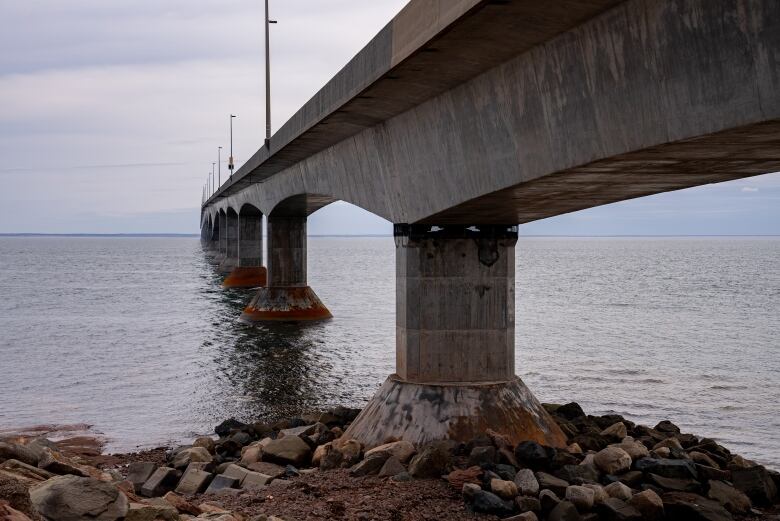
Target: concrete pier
455,347
230,248
249,271
288,297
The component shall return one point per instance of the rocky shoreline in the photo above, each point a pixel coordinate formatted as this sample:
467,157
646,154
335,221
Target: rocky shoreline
305,468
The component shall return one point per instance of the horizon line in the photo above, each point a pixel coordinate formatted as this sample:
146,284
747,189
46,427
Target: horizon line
189,235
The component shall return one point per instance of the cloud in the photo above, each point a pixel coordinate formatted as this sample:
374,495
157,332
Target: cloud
749,189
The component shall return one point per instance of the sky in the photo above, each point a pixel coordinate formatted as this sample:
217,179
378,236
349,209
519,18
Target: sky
111,114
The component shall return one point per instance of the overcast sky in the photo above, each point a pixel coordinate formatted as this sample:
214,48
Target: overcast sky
111,113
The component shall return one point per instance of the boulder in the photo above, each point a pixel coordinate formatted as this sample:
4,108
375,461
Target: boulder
56,463
548,500
649,504
757,484
564,511
503,488
222,482
599,494
581,497
684,506
578,474
678,485
205,442
138,472
614,509
525,516
228,426
330,457
528,504
269,469
17,452
488,503
15,494
155,512
288,450
667,427
191,455
670,443
616,431
181,504
612,460
194,481
570,411
370,465
392,467
703,459
527,484
457,478
482,456
619,491
533,455
469,490
431,462
75,498
19,468
351,450
574,448
163,480
633,448
668,468
549,481
733,500
632,478
403,450
251,454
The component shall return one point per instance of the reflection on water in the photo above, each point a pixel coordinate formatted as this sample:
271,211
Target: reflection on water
137,336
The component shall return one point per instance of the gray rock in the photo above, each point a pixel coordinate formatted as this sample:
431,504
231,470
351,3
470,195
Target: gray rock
163,480
525,516
612,460
549,481
370,465
533,455
488,503
482,456
17,452
75,498
548,500
432,462
668,468
402,477
615,432
618,490
392,467
194,481
527,484
528,504
191,455
222,482
581,497
614,509
288,450
564,511
649,504
672,484
757,483
692,507
578,473
139,472
733,500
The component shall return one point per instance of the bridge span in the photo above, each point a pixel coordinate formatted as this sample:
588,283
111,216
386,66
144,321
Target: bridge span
464,118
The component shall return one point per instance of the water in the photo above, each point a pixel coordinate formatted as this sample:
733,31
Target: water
136,337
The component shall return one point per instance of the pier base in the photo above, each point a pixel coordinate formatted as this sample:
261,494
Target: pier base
285,304
246,277
422,413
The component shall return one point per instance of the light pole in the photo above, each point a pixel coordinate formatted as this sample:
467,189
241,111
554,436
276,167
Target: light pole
268,21
219,164
213,175
230,159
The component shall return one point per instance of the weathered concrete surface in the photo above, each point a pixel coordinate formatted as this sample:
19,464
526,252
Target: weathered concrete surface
230,259
423,413
246,277
455,304
285,304
585,104
249,271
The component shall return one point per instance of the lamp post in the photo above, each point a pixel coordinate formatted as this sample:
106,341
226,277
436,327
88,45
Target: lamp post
213,175
230,159
268,23
219,164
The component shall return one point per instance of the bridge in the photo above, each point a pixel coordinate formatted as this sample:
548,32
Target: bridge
462,119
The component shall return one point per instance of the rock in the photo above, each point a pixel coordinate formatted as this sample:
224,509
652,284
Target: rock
190,455
21,468
667,427
181,504
649,504
632,478
614,509
548,500
138,472
533,455
75,498
288,450
570,411
17,452
578,474
350,451
403,450
194,481
633,448
528,504
331,458
684,506
146,512
549,481
319,452
251,454
222,482
525,516
574,448
163,480
482,456
489,503
670,443
706,473
255,480
599,494
581,497
619,491
58,464
662,452
15,494
8,513
526,482
590,441
756,483
269,469
612,460
431,462
205,442
503,489
735,501
469,490
703,459
301,431
457,478
228,426
679,485
668,468
507,472
564,511
616,431
370,465
391,467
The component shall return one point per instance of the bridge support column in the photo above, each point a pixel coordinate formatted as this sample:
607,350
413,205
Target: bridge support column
287,298
231,242
250,272
455,346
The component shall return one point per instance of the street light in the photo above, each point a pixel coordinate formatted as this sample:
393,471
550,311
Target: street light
213,174
230,160
268,21
219,164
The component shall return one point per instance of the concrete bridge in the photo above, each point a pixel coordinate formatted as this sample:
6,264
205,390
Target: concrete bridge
464,118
